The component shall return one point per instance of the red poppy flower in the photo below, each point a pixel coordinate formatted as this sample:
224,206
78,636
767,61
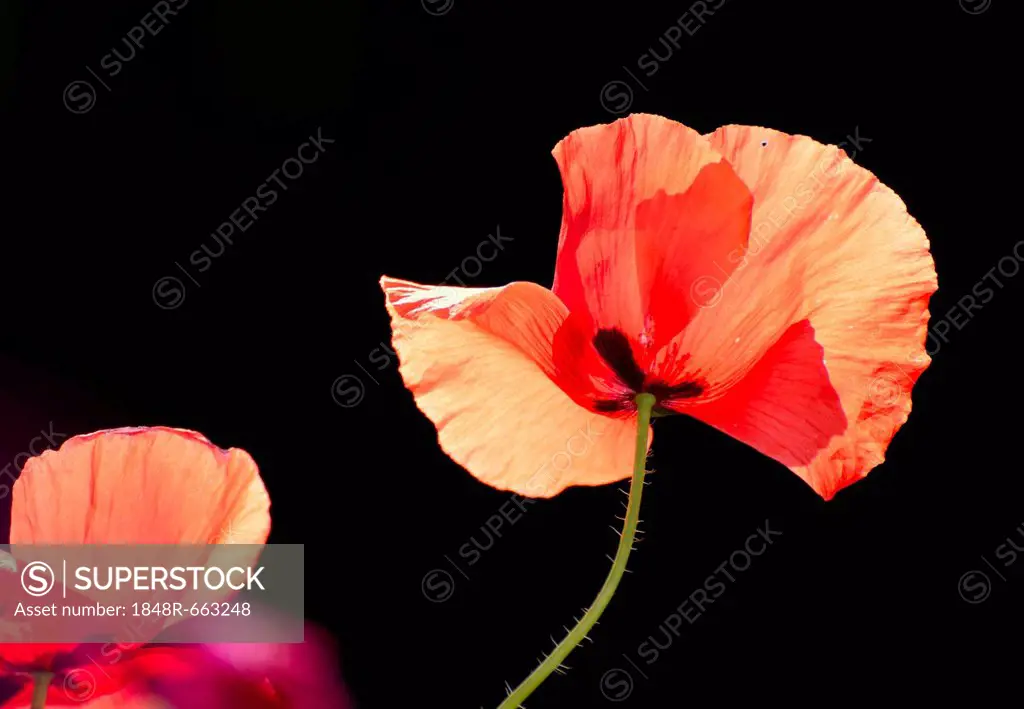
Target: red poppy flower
757,281
254,676
129,486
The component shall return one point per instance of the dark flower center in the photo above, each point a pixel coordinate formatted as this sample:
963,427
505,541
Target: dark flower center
615,350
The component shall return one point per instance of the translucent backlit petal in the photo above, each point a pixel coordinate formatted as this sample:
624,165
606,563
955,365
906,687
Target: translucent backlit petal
648,206
479,364
785,407
832,246
140,486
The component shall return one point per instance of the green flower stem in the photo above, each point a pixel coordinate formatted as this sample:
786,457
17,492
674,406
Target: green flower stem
40,688
644,406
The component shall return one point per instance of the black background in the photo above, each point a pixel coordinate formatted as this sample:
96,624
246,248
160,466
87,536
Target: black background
444,117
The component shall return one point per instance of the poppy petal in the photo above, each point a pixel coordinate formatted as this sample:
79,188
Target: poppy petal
58,696
479,364
785,407
125,682
140,486
833,246
648,205
680,236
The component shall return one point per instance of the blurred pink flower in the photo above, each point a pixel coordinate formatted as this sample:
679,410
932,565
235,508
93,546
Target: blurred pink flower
247,676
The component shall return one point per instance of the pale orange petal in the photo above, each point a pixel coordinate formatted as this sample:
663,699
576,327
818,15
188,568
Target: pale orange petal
477,361
833,246
140,486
